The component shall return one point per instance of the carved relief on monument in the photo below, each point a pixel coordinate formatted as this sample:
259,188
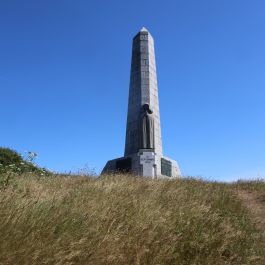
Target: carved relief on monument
146,128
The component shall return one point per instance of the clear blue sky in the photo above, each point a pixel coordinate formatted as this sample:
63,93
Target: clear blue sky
64,76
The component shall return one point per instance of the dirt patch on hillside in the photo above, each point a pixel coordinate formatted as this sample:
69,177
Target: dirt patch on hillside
255,203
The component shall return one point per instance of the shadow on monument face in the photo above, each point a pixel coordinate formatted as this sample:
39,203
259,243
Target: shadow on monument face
124,165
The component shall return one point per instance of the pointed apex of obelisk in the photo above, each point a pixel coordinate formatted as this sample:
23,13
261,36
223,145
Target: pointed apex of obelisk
143,29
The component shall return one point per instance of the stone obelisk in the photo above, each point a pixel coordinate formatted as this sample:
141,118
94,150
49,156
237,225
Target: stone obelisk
143,145
143,90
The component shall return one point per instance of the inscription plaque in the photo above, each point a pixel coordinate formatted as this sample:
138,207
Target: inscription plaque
147,160
166,167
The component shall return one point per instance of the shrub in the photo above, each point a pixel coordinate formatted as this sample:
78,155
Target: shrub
12,161
9,157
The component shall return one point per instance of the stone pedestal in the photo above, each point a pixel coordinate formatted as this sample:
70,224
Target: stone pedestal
145,163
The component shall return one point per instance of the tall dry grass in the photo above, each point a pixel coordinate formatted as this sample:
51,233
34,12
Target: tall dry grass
124,220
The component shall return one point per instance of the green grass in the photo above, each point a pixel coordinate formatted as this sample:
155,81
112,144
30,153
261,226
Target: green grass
124,220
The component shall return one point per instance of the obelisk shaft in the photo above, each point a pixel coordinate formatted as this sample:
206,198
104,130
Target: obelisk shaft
143,90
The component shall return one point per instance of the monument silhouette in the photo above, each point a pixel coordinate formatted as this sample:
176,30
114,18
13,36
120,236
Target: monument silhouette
143,145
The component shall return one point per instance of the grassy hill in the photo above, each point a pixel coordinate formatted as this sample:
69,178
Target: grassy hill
128,220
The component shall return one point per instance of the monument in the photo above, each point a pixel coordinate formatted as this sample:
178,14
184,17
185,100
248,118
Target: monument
143,145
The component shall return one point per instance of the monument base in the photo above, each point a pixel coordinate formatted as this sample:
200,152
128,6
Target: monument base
144,163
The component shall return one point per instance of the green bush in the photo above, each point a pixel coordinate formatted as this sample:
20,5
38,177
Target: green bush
9,157
12,161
